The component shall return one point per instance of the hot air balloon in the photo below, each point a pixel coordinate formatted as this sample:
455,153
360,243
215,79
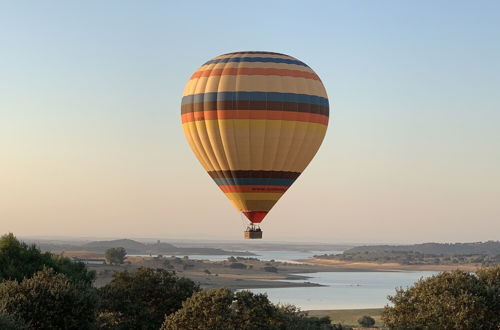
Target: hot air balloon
254,120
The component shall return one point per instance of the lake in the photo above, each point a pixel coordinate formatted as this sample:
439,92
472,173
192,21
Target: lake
284,256
345,290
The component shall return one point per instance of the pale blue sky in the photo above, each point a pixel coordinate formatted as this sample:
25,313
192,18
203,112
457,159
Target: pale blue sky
90,131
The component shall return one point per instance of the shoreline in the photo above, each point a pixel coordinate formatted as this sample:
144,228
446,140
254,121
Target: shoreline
369,266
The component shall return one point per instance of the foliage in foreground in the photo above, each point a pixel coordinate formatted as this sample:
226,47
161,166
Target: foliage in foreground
19,260
225,310
8,322
49,301
449,300
142,299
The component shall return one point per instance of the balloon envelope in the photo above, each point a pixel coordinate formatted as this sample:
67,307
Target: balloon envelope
254,120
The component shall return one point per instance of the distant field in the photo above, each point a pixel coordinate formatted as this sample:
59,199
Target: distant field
349,316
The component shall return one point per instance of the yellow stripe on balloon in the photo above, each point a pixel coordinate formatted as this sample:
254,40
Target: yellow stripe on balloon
246,83
232,136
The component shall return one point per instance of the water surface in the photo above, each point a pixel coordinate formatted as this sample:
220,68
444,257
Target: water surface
345,290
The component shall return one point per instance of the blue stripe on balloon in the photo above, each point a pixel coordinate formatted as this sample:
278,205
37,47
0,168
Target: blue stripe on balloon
256,59
254,181
254,96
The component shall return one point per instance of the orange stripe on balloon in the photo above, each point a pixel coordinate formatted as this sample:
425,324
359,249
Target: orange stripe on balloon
253,189
255,72
255,114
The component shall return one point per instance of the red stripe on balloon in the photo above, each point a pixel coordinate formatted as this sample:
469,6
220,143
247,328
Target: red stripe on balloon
255,216
255,114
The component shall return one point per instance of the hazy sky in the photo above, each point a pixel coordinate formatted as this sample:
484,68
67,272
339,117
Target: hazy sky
91,142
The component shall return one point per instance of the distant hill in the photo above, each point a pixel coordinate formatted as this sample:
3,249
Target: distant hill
484,253
135,247
130,245
484,248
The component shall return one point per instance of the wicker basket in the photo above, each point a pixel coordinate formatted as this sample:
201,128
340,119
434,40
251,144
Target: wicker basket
252,234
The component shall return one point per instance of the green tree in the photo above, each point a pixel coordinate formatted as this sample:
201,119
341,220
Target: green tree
115,255
449,300
19,260
366,321
142,299
206,309
221,309
490,278
49,300
8,322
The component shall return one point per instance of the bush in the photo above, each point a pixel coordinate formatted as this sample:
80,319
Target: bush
19,260
366,321
8,322
270,269
238,265
49,301
449,300
140,300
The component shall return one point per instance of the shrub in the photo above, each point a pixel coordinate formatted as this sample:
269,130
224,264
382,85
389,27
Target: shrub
8,322
223,309
19,260
140,300
270,269
238,265
449,300
366,321
49,301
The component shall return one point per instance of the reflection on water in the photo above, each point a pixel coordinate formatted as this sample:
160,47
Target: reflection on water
344,290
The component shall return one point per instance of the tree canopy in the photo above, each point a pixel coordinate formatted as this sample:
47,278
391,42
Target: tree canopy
49,300
8,322
19,260
222,309
115,255
140,300
449,300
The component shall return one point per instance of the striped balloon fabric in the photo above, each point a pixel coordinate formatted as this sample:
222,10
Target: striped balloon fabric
254,120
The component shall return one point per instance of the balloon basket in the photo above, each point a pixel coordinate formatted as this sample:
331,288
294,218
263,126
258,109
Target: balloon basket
253,232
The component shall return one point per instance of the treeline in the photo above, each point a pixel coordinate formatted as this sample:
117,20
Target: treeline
491,248
44,291
486,254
